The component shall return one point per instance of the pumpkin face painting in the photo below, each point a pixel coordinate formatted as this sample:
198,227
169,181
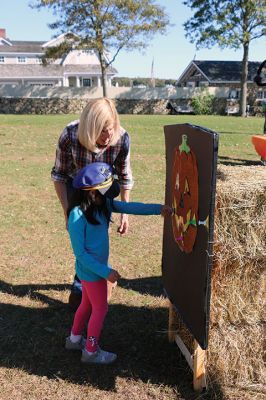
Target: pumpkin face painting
185,196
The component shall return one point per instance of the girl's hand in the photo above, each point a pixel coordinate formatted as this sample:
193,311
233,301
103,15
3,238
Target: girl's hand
166,211
113,276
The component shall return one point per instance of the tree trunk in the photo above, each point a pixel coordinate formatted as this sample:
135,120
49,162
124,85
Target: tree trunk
104,77
244,77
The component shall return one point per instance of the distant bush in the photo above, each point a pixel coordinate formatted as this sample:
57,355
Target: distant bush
203,104
129,82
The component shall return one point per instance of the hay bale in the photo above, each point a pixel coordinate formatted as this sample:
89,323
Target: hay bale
237,316
237,319
235,355
239,246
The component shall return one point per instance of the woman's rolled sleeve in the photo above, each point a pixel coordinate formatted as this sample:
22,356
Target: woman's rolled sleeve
61,170
122,165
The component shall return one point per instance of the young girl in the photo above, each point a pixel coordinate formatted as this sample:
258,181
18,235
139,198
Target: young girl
88,222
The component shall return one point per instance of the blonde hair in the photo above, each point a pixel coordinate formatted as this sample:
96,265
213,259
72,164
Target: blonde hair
97,115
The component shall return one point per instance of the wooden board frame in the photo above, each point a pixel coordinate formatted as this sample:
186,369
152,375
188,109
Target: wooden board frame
191,163
195,359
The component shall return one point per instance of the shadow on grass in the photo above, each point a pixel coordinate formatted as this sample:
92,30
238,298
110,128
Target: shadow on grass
149,285
32,339
237,161
32,291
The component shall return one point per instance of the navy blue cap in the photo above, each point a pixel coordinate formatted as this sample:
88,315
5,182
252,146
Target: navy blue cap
97,176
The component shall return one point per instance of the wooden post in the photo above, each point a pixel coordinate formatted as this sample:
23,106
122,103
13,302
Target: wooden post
196,360
199,374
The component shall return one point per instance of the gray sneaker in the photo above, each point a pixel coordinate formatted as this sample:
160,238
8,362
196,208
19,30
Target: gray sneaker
98,357
75,346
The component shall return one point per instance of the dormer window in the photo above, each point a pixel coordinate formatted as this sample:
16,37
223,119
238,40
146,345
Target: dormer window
21,59
2,59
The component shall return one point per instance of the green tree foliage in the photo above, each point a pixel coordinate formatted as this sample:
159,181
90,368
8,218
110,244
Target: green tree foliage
106,26
228,23
202,104
123,81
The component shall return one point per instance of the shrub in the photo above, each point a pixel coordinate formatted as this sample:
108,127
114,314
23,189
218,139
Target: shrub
203,104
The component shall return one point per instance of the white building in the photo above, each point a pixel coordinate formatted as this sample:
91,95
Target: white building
21,64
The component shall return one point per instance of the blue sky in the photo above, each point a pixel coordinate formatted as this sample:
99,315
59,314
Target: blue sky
171,53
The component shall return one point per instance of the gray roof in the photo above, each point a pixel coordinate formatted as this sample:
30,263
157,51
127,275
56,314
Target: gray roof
9,71
226,71
29,71
27,42
19,46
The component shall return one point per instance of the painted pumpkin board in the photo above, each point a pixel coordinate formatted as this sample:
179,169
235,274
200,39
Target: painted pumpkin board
191,161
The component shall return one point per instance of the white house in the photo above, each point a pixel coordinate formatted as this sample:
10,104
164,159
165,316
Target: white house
21,64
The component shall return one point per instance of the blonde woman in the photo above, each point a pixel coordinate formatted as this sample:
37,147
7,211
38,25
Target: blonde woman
97,136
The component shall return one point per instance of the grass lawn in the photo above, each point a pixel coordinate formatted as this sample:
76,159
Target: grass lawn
37,269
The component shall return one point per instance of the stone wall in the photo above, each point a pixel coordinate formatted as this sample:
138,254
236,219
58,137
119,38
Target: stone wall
75,106
15,105
127,106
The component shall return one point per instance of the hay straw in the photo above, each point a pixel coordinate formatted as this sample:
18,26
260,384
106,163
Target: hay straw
235,355
238,277
237,316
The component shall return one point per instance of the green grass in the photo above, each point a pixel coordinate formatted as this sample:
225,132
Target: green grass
37,269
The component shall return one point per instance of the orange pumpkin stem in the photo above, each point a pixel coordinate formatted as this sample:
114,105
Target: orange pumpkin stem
184,146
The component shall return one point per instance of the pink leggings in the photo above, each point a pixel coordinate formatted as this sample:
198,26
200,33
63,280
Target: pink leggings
92,309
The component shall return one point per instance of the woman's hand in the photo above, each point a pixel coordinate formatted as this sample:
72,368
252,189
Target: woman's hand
113,276
166,211
123,228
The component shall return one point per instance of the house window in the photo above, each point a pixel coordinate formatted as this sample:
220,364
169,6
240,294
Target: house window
233,94
41,84
87,82
21,59
38,60
2,59
87,51
261,94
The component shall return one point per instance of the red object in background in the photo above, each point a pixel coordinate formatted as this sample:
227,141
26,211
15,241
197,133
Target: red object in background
259,142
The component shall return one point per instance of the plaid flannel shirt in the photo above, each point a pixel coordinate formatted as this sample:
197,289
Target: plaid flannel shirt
71,156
